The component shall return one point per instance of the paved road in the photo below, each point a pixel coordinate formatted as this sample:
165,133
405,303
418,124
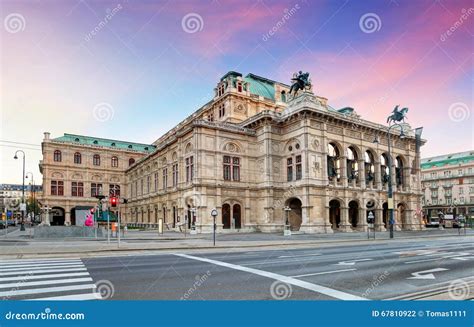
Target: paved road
405,269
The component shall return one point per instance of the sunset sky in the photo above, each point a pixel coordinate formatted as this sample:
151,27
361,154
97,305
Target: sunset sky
149,64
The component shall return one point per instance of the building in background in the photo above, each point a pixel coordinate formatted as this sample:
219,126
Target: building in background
448,184
251,152
77,168
10,196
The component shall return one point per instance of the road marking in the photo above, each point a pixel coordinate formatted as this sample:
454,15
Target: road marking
46,282
285,279
20,261
11,273
324,272
39,268
47,290
299,255
41,264
260,263
424,260
74,297
29,277
426,274
351,263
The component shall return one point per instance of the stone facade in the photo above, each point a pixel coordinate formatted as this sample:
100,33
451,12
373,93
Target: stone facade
279,151
253,151
101,162
448,184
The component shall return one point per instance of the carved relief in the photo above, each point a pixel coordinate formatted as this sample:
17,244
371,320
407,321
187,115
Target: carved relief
276,167
260,165
315,144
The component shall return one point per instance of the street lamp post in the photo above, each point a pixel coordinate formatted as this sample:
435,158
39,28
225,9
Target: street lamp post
214,226
33,194
22,228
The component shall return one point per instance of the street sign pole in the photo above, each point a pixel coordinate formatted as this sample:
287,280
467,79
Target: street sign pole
118,228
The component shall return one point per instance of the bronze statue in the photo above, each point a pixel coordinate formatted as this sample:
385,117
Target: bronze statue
397,115
300,82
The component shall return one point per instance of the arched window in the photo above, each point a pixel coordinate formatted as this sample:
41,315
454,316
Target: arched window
369,166
57,156
352,164
283,96
77,158
131,161
114,161
399,170
384,171
333,162
96,160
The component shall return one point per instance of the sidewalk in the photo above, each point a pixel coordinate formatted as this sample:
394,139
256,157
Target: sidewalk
21,244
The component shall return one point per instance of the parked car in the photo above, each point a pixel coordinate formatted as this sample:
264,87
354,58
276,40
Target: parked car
432,222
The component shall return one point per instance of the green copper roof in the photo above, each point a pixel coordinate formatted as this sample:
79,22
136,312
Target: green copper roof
261,86
447,159
107,143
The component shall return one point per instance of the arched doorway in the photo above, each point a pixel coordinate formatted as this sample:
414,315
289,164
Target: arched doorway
353,213
236,216
334,213
385,217
295,217
57,216
226,216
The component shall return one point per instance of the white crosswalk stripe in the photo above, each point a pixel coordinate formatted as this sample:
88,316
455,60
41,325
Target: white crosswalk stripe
46,279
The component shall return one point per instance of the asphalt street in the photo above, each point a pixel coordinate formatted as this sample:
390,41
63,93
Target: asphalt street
386,270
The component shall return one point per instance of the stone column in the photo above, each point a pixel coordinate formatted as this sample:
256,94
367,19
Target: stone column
345,226
361,164
327,222
378,177
343,170
411,222
362,220
379,227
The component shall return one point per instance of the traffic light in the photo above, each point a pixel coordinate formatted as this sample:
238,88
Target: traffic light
113,202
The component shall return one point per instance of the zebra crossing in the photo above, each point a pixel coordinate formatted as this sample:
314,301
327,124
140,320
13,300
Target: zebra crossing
46,279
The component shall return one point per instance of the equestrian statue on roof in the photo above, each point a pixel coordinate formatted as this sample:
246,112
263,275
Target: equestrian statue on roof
300,81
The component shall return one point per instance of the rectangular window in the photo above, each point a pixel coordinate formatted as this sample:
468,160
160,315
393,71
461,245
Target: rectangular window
77,189
236,169
289,169
299,171
156,182
227,175
95,189
165,178
141,186
57,188
189,169
148,184
175,175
